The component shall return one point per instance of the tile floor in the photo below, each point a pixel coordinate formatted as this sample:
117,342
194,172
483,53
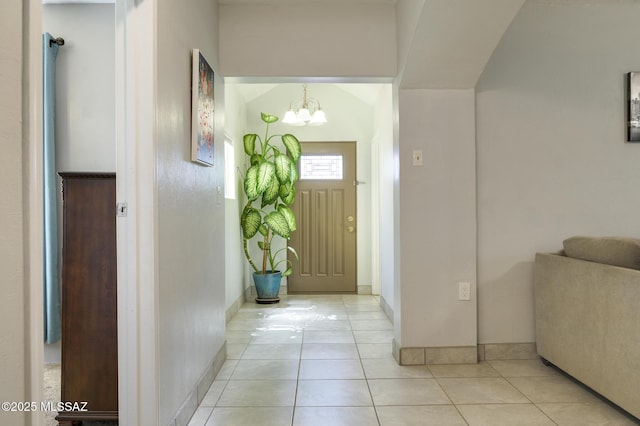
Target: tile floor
326,360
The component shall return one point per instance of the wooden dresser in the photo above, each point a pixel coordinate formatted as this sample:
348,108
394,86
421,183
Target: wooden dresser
89,303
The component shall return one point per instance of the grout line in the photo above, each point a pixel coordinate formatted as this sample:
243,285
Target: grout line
343,306
364,372
295,395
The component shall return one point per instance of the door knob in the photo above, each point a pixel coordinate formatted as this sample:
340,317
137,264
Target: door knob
350,228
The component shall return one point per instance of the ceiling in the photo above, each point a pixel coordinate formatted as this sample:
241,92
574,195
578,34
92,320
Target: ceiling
450,42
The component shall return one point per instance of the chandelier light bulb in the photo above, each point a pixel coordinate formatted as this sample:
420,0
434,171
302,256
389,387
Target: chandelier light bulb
318,118
290,117
304,115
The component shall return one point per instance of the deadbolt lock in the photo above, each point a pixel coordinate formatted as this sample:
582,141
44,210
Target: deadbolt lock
350,219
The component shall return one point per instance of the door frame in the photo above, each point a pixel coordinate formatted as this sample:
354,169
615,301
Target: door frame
135,52
356,263
33,186
137,299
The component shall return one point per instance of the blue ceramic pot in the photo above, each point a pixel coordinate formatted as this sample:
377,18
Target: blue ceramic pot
267,286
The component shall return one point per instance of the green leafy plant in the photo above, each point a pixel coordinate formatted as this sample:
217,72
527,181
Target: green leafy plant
269,185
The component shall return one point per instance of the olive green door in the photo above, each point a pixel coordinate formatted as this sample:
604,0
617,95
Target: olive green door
325,210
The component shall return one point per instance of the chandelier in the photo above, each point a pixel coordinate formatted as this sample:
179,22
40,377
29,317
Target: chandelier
308,111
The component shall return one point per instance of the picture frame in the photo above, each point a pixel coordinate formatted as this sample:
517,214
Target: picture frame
202,110
633,107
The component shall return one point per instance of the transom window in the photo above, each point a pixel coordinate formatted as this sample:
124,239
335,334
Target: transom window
321,167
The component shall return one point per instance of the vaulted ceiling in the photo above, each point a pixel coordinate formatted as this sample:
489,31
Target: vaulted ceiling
441,43
452,40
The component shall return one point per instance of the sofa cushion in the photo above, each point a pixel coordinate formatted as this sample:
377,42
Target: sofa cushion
617,251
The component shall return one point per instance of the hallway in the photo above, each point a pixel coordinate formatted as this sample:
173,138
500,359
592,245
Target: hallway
326,360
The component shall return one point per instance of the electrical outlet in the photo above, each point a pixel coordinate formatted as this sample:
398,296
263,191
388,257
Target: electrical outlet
464,291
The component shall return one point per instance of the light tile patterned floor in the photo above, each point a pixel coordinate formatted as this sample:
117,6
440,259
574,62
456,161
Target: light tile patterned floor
326,360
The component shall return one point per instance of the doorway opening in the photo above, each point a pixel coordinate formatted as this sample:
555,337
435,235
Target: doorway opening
359,111
85,141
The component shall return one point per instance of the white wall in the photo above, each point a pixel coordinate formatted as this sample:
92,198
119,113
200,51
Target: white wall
13,327
437,218
235,123
552,161
190,214
85,85
85,100
382,152
293,39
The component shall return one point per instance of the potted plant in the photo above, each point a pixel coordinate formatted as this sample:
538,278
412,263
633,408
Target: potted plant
269,189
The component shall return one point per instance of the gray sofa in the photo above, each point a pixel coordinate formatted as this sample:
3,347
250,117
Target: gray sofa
588,315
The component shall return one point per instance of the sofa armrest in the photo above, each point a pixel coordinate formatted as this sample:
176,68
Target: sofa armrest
587,324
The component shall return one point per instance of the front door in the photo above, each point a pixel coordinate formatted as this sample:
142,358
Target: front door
325,210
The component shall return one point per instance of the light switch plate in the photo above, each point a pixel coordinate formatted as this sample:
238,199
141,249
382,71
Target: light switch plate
417,157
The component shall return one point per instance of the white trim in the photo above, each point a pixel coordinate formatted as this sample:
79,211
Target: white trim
33,186
78,1
138,390
375,216
230,184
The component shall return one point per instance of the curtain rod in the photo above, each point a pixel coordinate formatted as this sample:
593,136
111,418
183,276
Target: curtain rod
59,41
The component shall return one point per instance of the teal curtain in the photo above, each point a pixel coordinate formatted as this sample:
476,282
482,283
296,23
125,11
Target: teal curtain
51,266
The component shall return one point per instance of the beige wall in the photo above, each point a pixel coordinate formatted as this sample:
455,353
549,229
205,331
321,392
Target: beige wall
408,13
312,39
14,300
190,211
552,158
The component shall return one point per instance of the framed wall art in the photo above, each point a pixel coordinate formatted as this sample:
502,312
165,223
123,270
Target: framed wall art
633,107
202,110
